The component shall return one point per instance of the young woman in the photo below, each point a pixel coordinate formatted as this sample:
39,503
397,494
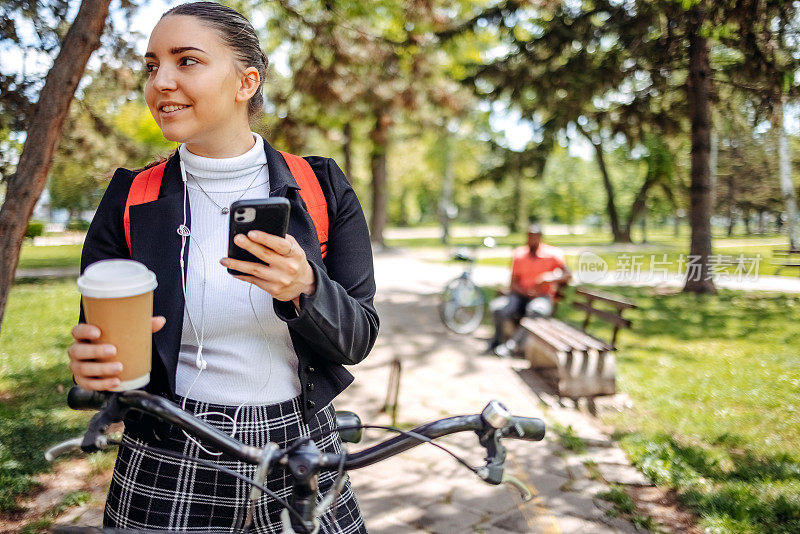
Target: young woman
260,355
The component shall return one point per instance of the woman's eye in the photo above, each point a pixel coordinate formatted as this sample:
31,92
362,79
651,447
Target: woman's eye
150,67
188,61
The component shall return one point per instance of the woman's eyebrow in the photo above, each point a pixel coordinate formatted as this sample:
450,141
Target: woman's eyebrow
177,50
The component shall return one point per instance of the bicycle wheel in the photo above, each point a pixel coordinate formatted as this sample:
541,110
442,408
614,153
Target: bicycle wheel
462,306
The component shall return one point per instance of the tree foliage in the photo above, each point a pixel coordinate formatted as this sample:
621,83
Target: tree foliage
634,67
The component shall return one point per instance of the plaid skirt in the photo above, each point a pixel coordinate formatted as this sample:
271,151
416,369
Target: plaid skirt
153,491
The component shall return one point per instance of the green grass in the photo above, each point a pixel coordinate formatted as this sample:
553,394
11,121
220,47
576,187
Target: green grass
75,498
624,506
32,257
34,378
623,503
568,438
715,382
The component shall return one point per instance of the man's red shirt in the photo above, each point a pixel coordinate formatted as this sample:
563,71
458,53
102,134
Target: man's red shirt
528,268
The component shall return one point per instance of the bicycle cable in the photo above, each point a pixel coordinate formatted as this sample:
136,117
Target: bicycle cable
211,464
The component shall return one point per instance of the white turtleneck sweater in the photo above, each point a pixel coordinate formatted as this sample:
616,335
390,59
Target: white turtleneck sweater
248,349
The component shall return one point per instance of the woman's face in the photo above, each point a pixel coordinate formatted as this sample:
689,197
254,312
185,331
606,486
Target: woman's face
193,88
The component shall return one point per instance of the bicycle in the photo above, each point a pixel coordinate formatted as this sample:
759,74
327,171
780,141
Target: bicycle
463,303
302,459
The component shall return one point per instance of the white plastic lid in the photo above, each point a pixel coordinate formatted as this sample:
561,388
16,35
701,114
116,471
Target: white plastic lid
108,279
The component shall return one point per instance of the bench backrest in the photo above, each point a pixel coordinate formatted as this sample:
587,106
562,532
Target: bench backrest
613,315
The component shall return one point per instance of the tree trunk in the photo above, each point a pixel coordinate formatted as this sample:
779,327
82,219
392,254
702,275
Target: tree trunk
380,141
347,133
402,216
621,235
638,207
26,185
519,223
731,204
446,201
787,185
698,88
713,158
746,220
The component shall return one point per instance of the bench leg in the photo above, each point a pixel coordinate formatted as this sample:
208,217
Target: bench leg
541,357
587,374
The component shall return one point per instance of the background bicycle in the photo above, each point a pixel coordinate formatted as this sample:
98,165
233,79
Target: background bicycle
463,304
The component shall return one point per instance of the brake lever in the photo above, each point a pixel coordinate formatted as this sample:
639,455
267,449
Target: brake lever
111,412
94,439
62,448
525,493
286,523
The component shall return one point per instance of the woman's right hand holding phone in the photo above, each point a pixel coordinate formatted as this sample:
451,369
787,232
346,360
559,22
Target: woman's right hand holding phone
90,362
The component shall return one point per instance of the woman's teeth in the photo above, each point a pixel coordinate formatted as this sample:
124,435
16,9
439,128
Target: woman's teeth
169,109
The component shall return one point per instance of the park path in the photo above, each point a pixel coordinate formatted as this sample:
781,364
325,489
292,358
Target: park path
443,374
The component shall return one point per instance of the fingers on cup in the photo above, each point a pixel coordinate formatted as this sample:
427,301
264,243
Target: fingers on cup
90,351
83,331
98,384
97,370
98,376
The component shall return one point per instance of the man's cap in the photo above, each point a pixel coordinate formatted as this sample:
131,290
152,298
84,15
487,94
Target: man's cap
535,228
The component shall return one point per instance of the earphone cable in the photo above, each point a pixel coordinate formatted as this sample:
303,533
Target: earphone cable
201,363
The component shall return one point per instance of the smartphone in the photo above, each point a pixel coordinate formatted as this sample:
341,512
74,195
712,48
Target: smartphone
270,215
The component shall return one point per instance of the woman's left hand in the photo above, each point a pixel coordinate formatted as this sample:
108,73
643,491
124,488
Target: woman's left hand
287,273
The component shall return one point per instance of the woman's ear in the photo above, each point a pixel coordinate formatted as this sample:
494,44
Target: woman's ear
249,82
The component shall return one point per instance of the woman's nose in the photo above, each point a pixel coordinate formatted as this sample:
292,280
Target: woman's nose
164,79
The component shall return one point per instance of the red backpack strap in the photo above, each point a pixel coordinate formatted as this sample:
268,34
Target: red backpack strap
144,188
311,193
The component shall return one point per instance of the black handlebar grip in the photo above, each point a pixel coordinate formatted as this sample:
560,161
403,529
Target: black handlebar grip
527,428
84,399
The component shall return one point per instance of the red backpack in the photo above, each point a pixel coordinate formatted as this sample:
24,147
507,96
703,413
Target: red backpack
147,183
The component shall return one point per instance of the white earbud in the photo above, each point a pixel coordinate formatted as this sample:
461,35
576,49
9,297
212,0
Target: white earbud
183,231
200,362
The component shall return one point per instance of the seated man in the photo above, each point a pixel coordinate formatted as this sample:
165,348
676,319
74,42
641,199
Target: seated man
537,271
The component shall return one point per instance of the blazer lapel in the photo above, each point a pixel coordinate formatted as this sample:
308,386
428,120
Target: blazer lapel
156,243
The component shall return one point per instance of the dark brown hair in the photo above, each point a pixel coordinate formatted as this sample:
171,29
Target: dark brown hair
237,32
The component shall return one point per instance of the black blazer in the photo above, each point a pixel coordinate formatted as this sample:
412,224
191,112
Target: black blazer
337,325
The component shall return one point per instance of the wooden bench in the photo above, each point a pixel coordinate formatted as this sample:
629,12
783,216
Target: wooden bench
785,258
585,364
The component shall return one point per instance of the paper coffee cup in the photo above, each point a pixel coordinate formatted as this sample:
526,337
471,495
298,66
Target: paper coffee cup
118,299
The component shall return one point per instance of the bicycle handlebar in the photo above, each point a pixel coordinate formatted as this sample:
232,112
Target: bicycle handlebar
517,427
305,460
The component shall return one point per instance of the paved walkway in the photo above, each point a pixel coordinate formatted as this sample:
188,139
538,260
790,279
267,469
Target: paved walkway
443,374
